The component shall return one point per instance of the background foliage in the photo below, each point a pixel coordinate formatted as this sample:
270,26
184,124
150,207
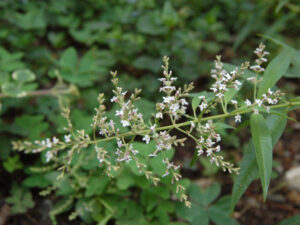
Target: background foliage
68,48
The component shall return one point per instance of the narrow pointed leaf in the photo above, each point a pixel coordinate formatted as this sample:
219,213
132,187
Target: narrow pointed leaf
275,70
263,149
249,170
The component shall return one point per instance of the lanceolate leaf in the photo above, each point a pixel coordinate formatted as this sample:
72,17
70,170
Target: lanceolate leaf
275,70
247,174
263,149
249,170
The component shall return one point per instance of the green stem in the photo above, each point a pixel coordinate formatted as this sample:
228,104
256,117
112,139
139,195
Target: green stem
51,92
241,110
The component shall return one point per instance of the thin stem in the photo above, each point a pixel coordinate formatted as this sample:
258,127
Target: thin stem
43,92
241,110
254,91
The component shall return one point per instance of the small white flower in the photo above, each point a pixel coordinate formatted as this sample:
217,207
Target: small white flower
238,118
218,148
270,91
251,78
146,139
55,140
202,97
125,123
152,128
49,156
67,138
256,111
114,99
192,124
234,102
220,95
159,115
248,103
173,78
237,82
48,143
200,152
258,102
203,106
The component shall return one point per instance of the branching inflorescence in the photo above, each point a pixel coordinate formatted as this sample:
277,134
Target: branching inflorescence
174,105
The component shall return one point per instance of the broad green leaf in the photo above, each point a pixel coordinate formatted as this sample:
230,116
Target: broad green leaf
96,185
207,196
219,212
20,199
169,15
275,70
68,59
23,75
263,149
294,220
13,163
12,89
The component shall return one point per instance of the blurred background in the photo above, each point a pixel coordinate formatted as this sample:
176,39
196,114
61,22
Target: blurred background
71,46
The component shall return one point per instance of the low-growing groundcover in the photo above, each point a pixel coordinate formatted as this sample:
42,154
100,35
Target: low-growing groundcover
55,59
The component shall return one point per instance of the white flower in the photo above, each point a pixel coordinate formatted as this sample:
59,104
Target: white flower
234,102
146,139
237,82
218,148
202,97
159,115
256,111
258,102
200,152
192,124
55,140
173,78
168,99
125,123
251,78
209,142
49,156
248,103
114,99
152,128
48,143
203,106
238,118
119,112
270,91
67,138
220,95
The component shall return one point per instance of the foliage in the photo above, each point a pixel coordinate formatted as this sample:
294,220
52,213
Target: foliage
21,199
57,54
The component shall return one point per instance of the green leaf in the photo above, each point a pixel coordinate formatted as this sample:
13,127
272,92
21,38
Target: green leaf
12,89
248,165
23,75
13,163
169,15
96,185
275,70
263,149
219,212
294,220
68,59
20,199
248,172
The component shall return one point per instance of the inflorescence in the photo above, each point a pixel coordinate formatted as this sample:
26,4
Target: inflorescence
174,106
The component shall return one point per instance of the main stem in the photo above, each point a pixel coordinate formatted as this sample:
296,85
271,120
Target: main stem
224,115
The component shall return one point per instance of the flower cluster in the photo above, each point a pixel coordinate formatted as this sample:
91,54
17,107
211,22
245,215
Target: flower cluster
174,105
